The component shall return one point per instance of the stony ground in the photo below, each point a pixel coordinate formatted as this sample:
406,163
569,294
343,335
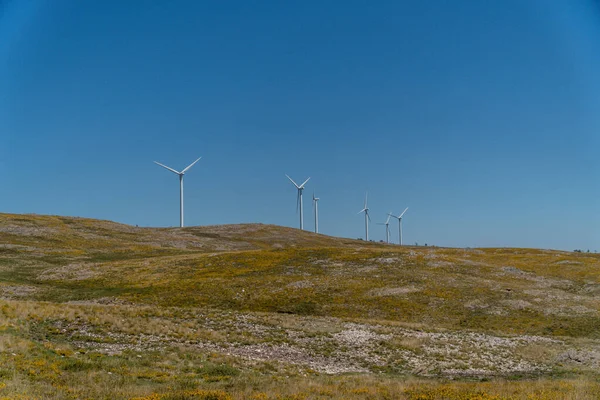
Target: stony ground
230,310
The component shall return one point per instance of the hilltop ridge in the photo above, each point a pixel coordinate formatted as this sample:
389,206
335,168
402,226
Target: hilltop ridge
89,232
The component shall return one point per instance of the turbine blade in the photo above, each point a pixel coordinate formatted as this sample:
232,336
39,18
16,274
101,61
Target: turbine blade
169,168
190,166
387,221
403,212
295,184
363,210
305,182
366,195
297,202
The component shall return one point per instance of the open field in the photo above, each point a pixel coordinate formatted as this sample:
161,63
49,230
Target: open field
95,309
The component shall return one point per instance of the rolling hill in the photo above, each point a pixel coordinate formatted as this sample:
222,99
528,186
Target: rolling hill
96,309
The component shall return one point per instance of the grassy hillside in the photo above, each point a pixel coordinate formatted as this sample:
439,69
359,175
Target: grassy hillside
95,309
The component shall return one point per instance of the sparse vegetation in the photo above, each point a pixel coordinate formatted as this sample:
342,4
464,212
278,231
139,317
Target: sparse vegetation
94,309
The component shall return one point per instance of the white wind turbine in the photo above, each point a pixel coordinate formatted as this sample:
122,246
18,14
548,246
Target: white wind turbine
367,218
387,228
399,218
299,199
316,210
180,186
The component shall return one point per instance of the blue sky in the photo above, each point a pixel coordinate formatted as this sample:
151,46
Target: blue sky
482,117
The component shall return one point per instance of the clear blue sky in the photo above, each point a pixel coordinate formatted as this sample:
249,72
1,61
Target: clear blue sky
483,117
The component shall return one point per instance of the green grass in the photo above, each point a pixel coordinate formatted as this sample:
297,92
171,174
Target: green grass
94,309
334,281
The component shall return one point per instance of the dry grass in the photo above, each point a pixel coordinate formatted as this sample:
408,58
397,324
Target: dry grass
94,309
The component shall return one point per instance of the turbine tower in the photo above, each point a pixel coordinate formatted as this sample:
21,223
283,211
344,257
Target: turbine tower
399,218
387,228
316,210
299,199
367,218
180,186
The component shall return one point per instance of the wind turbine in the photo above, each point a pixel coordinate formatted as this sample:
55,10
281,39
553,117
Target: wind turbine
180,186
399,218
316,210
387,228
367,218
299,199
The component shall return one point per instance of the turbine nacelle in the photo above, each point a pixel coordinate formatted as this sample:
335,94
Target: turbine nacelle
175,171
398,217
299,187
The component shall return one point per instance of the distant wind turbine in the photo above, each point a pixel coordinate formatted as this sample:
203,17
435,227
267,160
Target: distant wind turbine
367,218
399,218
316,210
387,228
299,199
180,186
